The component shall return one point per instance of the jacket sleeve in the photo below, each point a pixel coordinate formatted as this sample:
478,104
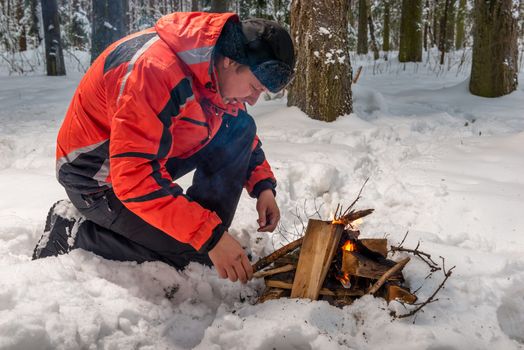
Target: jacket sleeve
139,145
259,175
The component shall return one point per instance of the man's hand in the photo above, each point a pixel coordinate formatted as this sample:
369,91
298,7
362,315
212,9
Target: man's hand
230,260
268,212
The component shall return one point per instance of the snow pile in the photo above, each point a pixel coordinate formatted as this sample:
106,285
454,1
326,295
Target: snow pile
442,164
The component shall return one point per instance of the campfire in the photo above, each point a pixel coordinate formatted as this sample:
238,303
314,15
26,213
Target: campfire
331,262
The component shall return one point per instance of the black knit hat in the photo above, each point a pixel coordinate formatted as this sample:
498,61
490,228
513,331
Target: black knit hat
264,46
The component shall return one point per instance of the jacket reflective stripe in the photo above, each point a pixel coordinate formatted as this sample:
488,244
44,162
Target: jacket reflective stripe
69,158
195,56
132,64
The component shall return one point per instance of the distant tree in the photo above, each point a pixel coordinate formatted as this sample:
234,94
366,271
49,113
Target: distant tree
374,45
386,27
109,24
411,31
219,6
460,31
362,38
322,86
495,51
53,42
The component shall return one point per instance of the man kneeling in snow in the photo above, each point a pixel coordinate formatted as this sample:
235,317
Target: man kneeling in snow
153,107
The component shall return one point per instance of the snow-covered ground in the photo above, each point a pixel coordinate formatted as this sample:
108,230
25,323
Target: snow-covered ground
443,164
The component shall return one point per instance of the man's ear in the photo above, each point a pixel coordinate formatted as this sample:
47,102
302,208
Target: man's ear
227,62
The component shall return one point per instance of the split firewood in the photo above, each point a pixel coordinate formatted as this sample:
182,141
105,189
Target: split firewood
318,249
358,264
398,267
285,268
377,245
394,292
271,258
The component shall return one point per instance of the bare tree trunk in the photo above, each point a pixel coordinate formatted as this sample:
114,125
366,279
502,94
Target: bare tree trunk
426,14
219,6
53,43
495,52
374,45
387,21
108,24
194,5
461,14
322,87
22,39
411,31
362,37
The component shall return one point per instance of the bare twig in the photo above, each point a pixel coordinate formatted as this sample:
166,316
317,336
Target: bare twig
431,299
422,255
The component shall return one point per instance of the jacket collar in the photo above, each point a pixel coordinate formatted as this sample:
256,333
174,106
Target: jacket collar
192,37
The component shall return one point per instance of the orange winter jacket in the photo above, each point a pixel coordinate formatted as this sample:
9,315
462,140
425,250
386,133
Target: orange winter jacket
147,98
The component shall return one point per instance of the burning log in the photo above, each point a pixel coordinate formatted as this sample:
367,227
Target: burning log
357,264
317,251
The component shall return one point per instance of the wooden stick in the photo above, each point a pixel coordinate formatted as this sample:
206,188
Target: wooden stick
397,267
271,258
355,79
323,291
352,216
285,268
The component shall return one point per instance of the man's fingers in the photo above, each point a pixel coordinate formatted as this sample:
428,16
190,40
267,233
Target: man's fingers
247,267
239,269
231,274
261,217
221,272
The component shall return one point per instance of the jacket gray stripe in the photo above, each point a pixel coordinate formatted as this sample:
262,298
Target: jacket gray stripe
74,154
131,65
102,174
198,55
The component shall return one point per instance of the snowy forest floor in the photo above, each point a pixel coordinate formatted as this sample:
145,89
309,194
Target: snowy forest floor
443,164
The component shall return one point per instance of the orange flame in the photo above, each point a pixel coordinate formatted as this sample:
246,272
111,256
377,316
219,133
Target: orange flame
344,280
349,246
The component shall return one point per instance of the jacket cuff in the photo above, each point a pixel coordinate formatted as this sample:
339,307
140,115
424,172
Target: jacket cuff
262,186
205,232
217,233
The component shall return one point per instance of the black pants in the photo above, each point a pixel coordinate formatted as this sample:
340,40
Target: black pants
116,233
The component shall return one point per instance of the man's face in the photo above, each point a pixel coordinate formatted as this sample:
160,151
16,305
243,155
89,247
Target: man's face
237,83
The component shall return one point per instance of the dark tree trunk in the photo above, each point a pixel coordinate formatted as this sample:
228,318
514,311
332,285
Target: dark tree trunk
322,87
53,43
374,46
109,24
495,51
219,6
22,39
426,24
194,5
461,14
362,39
411,31
387,21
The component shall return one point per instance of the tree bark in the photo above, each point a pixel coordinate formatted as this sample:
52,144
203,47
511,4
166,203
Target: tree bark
385,32
322,85
219,6
411,31
53,42
109,24
374,45
362,36
495,51
461,14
